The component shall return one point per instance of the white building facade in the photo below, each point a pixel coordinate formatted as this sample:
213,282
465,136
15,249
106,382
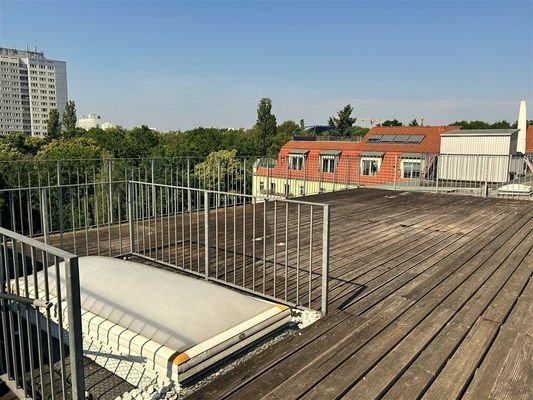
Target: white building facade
31,85
94,121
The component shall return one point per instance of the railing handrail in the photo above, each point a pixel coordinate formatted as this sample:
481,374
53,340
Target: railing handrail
37,244
248,196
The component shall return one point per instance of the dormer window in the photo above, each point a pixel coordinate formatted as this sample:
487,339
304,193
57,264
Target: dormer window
296,160
329,160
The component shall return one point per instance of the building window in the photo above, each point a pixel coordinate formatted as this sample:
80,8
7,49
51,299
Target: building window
370,166
296,162
302,190
287,190
272,187
411,168
328,163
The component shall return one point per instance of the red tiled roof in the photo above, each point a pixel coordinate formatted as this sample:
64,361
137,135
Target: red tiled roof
529,139
430,143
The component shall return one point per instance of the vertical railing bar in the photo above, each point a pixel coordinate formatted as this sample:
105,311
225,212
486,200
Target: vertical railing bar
253,243
286,250
234,240
75,328
325,260
60,326
225,237
197,217
206,233
264,244
161,192
217,205
48,322
310,256
4,278
243,242
298,255
167,192
96,211
22,353
275,222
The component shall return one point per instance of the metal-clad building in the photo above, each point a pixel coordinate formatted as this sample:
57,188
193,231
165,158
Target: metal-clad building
481,155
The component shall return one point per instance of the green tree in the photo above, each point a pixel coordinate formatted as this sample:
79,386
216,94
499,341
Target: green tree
343,121
69,119
72,149
53,128
285,132
393,122
215,170
302,123
414,122
266,124
140,142
471,124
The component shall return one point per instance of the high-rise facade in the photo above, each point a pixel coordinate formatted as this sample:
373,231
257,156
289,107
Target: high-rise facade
30,86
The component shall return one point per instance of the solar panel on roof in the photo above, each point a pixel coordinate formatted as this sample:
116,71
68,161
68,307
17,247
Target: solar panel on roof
387,139
415,138
374,138
401,138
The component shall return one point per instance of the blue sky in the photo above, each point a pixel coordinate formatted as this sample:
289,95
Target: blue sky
180,64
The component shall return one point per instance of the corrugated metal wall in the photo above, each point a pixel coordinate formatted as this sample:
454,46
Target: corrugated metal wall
479,144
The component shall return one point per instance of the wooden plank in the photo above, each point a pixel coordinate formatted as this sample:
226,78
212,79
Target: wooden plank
452,380
515,380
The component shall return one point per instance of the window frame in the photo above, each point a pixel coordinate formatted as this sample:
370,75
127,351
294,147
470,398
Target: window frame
376,159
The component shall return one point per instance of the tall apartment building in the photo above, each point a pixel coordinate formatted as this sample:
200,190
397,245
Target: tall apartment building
30,86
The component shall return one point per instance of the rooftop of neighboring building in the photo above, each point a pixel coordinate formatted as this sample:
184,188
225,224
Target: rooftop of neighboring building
396,139
481,132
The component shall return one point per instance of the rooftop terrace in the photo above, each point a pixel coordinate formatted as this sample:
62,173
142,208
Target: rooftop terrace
430,297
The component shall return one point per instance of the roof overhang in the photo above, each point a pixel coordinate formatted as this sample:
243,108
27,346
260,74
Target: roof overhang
301,152
412,155
372,154
330,152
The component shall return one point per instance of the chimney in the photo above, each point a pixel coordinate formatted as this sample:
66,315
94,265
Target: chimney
521,144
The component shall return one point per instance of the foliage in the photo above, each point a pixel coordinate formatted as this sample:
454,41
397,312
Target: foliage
140,142
69,119
217,168
389,122
343,121
70,149
414,122
53,128
266,124
18,145
285,133
302,123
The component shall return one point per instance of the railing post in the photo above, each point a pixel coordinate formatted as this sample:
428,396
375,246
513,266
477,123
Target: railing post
60,202
325,261
44,215
395,169
110,186
206,233
130,214
245,187
437,174
72,279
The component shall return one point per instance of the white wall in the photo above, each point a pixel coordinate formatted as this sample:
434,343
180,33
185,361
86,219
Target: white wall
477,144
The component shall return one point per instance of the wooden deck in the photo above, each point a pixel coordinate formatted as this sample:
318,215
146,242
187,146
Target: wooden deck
431,297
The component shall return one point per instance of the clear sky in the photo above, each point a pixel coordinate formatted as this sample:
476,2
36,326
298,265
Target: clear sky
180,64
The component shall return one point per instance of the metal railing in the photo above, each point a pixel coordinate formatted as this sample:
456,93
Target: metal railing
82,203
478,175
41,338
277,249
